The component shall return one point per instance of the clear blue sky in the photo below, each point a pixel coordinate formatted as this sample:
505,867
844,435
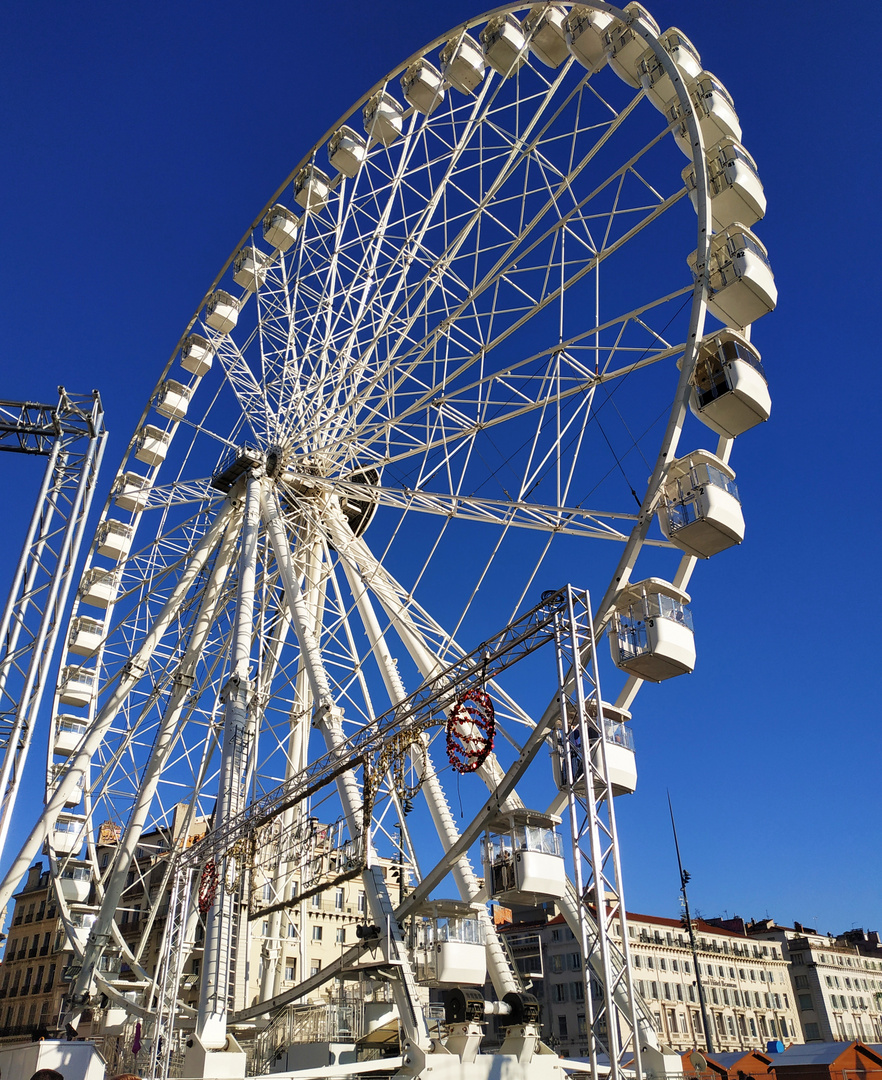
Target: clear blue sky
140,141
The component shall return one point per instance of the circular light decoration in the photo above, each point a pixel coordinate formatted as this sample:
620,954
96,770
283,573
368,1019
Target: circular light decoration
470,731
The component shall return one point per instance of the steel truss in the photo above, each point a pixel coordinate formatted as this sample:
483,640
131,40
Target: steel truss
615,1020
71,436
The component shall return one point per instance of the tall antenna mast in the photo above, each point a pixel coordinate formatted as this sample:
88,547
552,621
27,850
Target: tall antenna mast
687,922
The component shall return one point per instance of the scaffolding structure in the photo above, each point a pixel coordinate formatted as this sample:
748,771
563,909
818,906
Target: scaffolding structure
71,436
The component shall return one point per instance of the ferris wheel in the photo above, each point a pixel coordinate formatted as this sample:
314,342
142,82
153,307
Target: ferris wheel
429,383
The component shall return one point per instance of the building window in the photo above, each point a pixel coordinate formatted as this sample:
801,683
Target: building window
316,933
316,900
687,967
638,961
560,992
662,964
805,1002
361,901
557,964
578,991
562,1026
730,1023
341,935
574,961
672,1022
315,968
679,990
289,973
812,1032
338,899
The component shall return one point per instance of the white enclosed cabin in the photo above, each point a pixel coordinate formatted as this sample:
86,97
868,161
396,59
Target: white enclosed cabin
197,353
68,833
618,740
701,511
114,539
152,445
383,118
504,44
625,47
729,394
650,633
68,733
81,926
280,227
76,883
714,110
736,191
655,80
423,87
586,36
222,311
114,1021
131,491
741,282
73,792
450,945
523,857
76,685
249,268
74,785
99,587
311,188
346,151
117,1017
85,635
546,27
462,63
173,399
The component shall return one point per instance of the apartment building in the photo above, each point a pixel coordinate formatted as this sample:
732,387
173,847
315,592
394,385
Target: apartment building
747,989
271,953
746,985
836,980
30,976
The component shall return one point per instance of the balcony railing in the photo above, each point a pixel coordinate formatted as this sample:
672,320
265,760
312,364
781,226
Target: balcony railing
21,1030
